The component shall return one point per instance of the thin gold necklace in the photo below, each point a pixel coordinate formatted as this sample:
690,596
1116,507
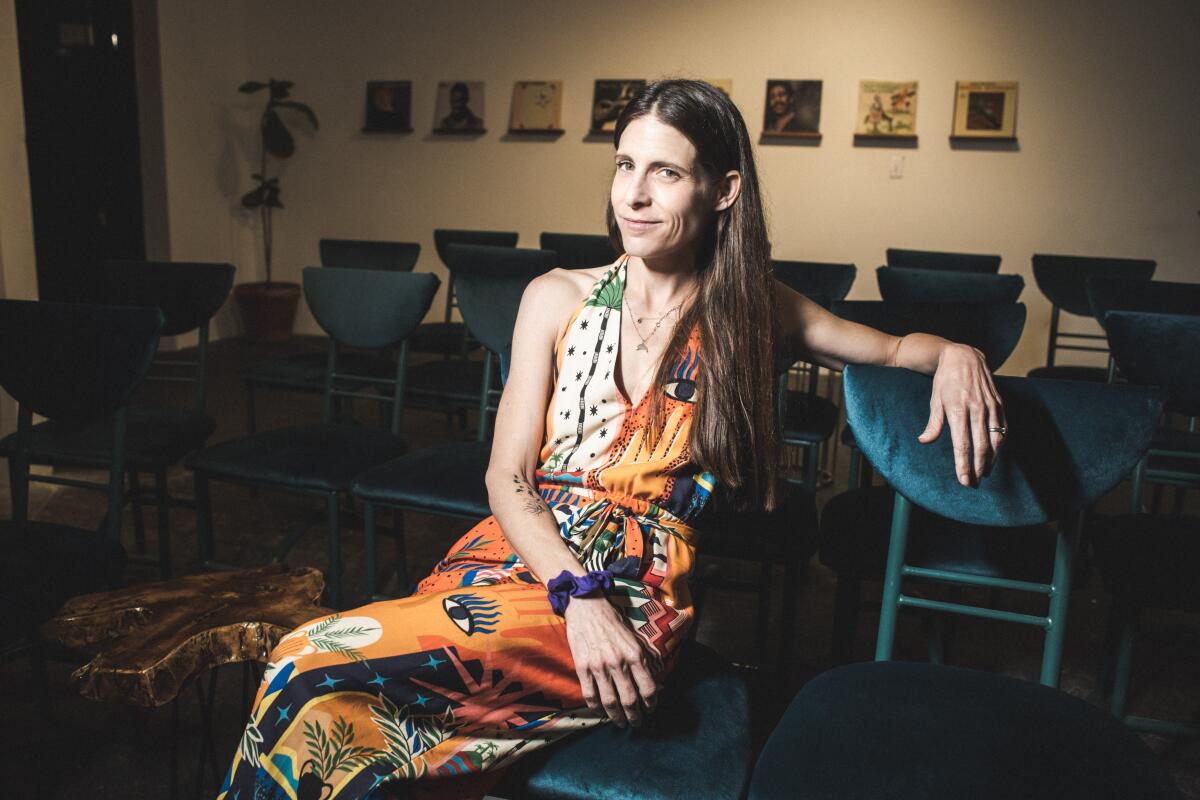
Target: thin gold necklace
635,319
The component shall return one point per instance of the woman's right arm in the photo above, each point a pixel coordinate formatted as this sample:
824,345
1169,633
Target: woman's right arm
609,660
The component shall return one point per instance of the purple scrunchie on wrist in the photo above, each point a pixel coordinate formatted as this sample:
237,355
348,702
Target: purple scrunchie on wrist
566,585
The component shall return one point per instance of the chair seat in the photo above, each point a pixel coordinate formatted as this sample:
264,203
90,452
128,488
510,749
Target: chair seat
910,731
808,419
45,563
454,381
307,371
1150,560
786,535
697,745
856,531
320,458
155,438
444,338
445,479
1068,372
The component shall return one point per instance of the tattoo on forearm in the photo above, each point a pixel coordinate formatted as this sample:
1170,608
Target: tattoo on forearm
533,502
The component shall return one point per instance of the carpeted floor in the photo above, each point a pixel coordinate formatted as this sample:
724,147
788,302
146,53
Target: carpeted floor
88,749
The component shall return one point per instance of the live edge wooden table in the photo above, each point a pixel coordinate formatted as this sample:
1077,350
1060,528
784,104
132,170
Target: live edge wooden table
150,641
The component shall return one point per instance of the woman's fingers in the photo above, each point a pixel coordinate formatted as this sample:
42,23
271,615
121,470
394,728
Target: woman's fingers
646,685
610,700
631,701
981,443
937,415
960,436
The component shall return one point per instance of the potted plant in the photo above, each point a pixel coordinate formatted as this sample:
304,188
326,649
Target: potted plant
268,308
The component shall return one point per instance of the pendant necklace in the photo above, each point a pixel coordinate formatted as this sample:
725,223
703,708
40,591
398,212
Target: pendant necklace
635,319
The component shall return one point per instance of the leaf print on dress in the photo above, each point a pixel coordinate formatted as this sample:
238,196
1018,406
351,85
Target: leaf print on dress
409,737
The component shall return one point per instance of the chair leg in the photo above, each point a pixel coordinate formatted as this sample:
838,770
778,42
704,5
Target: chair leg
890,603
135,500
334,580
845,617
163,501
810,467
1127,621
855,478
1056,631
205,547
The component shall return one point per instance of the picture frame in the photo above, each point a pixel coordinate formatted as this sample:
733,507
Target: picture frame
985,110
536,107
389,107
459,108
792,109
609,98
886,110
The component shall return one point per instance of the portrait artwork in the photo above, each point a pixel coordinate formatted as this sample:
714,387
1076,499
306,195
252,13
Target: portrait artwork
985,110
792,108
608,101
887,109
389,106
459,107
536,107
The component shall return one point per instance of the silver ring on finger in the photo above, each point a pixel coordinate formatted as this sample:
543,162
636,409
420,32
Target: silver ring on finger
1000,429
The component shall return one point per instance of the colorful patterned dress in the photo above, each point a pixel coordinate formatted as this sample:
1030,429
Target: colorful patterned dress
473,670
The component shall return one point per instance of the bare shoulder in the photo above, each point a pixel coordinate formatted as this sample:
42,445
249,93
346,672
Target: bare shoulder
566,286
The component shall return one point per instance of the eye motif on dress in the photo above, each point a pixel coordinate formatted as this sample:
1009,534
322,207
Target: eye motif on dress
682,390
471,613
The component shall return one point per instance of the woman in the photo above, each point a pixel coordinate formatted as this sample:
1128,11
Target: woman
633,389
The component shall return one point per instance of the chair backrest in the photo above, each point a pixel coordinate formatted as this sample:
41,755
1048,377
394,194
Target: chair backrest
1161,350
994,328
579,250
368,308
490,282
936,259
444,237
908,285
1068,443
1132,294
1063,279
364,254
832,281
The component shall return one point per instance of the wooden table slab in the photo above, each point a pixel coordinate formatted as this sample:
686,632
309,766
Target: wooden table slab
150,640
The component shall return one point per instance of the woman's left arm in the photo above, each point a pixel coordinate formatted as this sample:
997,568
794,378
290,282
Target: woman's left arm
963,391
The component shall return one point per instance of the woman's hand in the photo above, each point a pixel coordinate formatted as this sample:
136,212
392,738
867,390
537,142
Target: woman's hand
964,394
612,666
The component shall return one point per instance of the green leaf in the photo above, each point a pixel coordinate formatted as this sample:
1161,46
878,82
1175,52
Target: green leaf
250,87
276,137
303,108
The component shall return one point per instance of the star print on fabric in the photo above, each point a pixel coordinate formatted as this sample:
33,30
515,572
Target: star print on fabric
433,662
421,700
558,441
378,780
608,349
330,682
605,378
583,325
571,350
603,432
578,376
285,714
379,679
594,411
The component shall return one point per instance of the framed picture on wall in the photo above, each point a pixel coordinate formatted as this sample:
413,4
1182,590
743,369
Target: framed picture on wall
792,109
985,110
887,110
389,106
459,107
536,107
609,99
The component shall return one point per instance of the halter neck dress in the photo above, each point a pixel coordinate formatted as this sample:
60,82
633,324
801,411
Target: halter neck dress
473,670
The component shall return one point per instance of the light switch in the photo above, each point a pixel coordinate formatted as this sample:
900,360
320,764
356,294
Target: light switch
896,170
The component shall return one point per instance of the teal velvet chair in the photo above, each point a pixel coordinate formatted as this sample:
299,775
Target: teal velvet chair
450,336
1107,294
947,261
70,364
366,309
808,420
305,373
1151,561
906,285
448,479
1063,281
579,250
157,436
1068,443
905,731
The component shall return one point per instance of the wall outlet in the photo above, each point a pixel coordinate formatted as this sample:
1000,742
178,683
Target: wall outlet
896,170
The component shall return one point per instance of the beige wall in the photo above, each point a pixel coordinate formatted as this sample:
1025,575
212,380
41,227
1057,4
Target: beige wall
1106,164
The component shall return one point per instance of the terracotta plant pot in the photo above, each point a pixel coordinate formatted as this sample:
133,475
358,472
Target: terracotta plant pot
268,310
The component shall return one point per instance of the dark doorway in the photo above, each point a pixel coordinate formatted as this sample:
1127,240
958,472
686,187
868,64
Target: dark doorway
81,125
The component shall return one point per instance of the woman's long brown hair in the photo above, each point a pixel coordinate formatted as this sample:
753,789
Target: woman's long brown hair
735,430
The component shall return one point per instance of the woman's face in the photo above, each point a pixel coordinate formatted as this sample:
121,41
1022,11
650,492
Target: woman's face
661,197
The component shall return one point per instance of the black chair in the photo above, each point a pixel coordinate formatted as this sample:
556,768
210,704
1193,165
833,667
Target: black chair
903,731
357,308
305,373
936,259
1151,561
1131,294
157,436
448,479
1063,281
449,337
1068,444
579,250
72,363
905,285
807,419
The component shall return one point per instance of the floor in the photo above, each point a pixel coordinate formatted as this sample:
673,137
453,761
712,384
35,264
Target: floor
88,749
